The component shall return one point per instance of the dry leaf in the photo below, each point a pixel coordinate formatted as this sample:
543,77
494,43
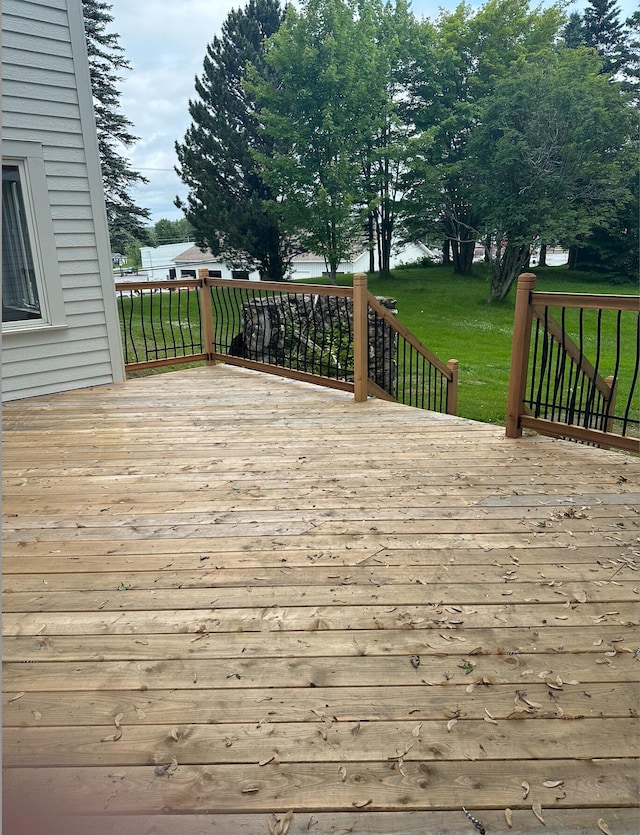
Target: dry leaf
552,784
360,804
527,789
416,731
140,713
489,721
17,696
175,734
267,761
554,684
36,715
118,775
451,724
285,823
117,720
250,789
537,811
602,826
508,816
112,737
343,773
488,714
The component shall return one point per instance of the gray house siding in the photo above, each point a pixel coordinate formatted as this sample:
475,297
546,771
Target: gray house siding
47,107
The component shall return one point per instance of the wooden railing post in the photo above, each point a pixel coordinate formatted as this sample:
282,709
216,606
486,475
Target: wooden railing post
519,354
452,388
206,314
360,338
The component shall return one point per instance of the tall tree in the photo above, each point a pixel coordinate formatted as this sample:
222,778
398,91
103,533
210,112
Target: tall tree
314,105
604,31
394,48
549,157
106,61
474,50
230,205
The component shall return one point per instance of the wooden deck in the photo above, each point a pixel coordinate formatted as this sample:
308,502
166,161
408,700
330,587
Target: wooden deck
264,608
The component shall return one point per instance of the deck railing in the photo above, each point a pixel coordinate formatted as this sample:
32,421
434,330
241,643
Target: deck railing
340,337
574,367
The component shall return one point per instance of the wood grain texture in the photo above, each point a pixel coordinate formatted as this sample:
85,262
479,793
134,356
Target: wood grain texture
227,596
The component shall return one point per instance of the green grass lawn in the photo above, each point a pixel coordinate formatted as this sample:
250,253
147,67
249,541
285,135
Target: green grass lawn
450,315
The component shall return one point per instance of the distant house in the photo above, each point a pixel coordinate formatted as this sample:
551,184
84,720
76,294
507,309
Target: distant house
59,320
184,260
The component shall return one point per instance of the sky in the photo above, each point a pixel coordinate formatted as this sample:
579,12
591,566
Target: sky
165,42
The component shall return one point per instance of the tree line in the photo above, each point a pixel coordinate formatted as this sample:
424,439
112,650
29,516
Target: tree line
350,123
345,122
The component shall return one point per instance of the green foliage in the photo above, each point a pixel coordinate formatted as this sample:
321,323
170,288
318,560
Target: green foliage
230,205
314,104
167,231
473,50
548,158
106,61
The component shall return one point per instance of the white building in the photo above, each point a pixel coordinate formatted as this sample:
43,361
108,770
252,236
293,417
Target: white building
185,259
59,320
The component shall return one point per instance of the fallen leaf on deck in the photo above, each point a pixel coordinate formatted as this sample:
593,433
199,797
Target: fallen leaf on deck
175,734
527,789
112,737
117,720
553,784
360,804
17,696
250,789
537,811
416,731
343,773
140,713
508,816
36,715
451,724
267,761
602,826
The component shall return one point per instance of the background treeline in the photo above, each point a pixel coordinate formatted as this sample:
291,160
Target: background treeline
350,122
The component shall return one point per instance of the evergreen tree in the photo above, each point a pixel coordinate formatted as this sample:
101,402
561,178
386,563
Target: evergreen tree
106,60
606,33
230,207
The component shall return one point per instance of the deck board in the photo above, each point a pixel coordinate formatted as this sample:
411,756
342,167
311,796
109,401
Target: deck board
240,596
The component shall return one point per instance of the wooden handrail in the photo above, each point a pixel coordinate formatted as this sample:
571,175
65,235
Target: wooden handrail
586,300
283,287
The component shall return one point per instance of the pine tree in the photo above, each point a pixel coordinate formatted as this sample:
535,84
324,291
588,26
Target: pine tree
106,60
230,207
606,33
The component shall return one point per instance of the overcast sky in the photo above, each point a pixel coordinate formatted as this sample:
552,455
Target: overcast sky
165,42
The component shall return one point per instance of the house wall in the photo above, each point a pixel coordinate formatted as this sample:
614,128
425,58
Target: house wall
158,260
47,106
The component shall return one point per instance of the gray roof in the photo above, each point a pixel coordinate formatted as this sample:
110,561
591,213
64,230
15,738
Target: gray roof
194,254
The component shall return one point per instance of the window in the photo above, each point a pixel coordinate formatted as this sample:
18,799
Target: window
31,286
20,297
239,274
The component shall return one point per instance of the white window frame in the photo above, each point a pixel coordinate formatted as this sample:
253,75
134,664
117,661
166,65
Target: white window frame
28,157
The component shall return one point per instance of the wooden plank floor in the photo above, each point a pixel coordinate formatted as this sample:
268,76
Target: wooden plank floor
263,608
